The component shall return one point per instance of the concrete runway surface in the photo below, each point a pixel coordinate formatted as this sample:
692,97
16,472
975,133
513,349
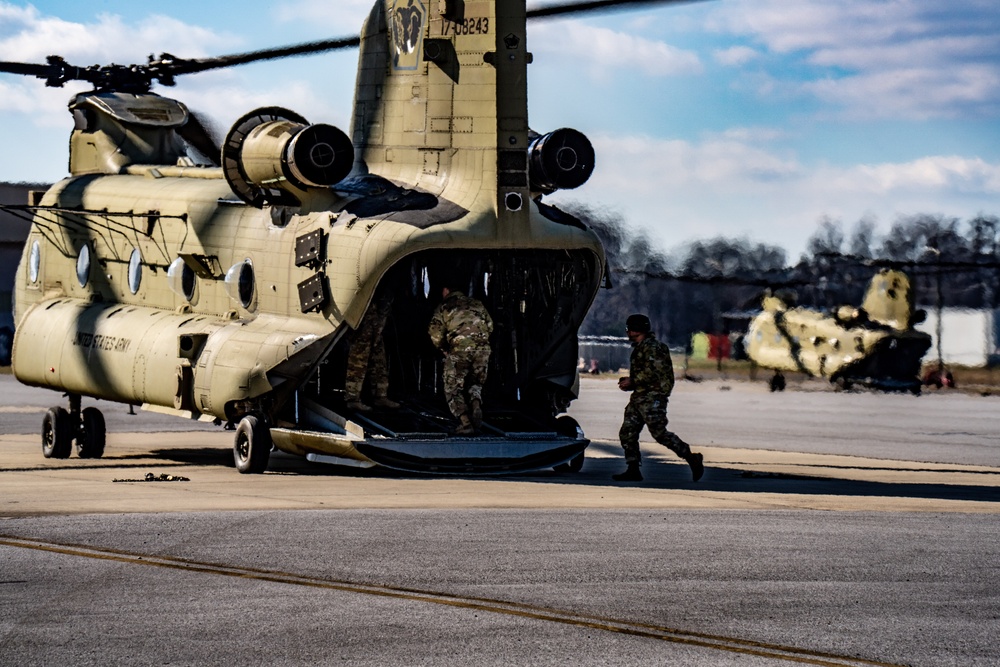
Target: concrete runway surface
830,529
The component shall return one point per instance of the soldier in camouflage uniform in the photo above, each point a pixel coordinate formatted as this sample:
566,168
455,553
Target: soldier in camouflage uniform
460,327
650,379
367,359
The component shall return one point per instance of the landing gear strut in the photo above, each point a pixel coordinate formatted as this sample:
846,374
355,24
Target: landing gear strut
60,427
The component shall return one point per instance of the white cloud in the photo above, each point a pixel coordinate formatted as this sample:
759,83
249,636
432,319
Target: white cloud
32,97
943,173
735,184
736,55
912,93
29,36
223,98
736,160
344,15
604,51
645,166
913,59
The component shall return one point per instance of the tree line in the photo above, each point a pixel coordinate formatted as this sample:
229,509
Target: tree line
714,285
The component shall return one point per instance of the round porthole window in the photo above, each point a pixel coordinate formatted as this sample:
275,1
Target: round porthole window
83,265
135,271
34,261
181,279
246,284
240,283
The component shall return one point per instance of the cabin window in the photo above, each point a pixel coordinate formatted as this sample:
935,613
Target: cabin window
34,261
135,271
181,279
240,283
246,284
83,265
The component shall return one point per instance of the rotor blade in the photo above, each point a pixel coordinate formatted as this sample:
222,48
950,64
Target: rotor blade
139,77
595,6
29,69
191,66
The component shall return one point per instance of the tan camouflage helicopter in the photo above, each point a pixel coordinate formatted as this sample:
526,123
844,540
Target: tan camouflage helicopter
227,285
873,345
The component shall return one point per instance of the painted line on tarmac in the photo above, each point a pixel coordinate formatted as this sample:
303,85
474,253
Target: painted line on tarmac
645,630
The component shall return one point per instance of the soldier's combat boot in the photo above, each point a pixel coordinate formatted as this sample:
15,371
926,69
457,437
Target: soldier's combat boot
697,467
477,414
465,426
631,474
358,406
385,402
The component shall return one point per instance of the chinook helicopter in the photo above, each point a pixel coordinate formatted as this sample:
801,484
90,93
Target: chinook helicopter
227,283
874,345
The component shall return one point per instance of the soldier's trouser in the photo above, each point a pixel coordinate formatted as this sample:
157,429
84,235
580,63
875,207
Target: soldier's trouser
464,374
649,410
367,358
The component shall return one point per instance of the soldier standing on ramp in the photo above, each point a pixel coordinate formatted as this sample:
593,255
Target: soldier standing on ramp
460,327
367,359
650,379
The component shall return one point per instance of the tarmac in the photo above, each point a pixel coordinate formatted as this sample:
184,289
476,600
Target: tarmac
203,478
830,529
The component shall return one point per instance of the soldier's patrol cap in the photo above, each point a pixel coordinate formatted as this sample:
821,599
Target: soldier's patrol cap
638,323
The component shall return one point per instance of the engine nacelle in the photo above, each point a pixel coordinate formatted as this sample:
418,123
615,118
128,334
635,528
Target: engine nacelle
271,155
307,155
560,160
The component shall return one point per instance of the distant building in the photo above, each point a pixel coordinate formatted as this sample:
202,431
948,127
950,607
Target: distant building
968,337
13,232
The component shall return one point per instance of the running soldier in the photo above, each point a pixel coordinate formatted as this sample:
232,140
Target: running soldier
650,379
460,328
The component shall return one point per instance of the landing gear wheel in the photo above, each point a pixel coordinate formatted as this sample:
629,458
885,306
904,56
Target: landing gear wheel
568,426
252,447
57,434
91,438
777,382
575,464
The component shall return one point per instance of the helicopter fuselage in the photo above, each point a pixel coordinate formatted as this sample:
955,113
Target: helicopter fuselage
234,292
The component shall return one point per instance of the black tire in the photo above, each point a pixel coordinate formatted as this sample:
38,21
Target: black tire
252,446
566,425
91,438
57,434
777,382
575,464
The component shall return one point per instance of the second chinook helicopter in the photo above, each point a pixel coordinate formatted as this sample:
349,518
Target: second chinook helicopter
228,284
873,345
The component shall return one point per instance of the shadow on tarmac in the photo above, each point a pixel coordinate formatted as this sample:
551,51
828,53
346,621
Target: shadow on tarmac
660,474
657,473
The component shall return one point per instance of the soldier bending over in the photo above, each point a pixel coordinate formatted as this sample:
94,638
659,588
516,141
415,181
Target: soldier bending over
460,327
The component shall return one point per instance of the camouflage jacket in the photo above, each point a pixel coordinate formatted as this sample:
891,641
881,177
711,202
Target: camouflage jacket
650,367
460,323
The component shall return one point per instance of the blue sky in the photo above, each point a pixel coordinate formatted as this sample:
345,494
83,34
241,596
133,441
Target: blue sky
742,118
